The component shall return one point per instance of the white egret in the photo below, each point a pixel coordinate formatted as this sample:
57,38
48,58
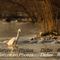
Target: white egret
14,39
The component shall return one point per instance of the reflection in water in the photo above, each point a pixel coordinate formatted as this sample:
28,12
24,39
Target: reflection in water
13,49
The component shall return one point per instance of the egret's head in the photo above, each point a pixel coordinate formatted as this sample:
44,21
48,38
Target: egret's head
19,30
40,33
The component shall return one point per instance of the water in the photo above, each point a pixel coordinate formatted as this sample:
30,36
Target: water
9,30
22,58
29,58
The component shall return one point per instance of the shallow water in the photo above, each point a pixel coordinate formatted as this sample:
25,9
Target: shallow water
8,30
22,58
29,58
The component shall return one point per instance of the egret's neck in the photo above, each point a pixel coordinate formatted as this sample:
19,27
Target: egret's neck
17,37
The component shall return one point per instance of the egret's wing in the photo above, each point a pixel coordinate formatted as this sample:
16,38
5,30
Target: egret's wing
11,41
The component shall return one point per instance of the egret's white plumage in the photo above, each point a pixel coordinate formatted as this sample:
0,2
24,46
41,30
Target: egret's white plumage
12,40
